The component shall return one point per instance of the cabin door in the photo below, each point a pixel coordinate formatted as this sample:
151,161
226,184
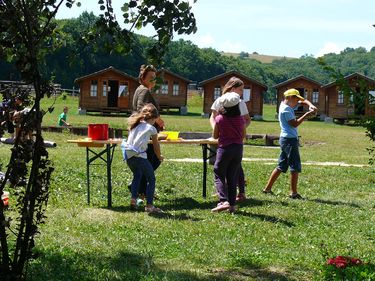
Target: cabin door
302,93
112,93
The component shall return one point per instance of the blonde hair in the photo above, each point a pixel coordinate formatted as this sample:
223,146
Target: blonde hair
147,112
233,82
144,70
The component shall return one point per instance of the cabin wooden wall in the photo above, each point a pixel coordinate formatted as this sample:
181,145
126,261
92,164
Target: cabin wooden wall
255,105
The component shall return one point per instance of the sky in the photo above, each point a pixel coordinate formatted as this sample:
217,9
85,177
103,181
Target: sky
291,28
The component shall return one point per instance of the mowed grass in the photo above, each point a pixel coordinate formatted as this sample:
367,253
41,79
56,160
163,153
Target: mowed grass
270,238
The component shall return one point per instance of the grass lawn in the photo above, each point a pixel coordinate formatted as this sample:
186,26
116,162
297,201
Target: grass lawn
270,238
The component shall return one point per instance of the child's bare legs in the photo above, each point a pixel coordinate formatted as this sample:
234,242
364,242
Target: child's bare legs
274,175
293,182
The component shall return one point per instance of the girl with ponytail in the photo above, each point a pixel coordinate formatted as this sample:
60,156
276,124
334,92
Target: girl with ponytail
141,129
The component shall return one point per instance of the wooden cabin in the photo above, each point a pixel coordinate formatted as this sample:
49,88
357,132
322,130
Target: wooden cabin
308,88
173,91
340,107
107,90
253,92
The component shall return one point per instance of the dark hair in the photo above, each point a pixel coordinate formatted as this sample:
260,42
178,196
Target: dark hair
230,111
233,82
144,70
147,112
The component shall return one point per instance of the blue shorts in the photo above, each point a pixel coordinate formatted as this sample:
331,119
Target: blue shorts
289,155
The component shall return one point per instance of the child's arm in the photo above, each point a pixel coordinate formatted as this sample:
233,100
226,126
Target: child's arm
66,124
247,120
296,122
215,133
212,118
156,146
309,104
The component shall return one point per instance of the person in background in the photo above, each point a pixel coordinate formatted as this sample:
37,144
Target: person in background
10,109
140,126
289,144
62,118
234,85
229,128
142,96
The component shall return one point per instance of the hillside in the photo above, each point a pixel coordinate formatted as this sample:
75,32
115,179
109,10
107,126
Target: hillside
258,57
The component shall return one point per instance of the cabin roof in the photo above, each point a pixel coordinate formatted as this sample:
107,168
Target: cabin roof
174,74
295,79
233,73
111,68
355,74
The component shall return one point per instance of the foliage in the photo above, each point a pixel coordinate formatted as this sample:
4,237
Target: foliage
357,98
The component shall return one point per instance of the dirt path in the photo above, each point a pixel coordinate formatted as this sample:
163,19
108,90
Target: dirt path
273,161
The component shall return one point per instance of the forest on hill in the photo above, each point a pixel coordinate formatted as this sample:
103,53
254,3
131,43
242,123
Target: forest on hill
74,57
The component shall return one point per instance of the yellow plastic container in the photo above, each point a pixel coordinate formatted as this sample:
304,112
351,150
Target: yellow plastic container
171,135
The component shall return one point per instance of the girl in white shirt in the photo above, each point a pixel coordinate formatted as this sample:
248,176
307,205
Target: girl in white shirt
141,129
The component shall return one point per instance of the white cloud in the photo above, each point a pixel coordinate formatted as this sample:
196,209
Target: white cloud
205,41
329,47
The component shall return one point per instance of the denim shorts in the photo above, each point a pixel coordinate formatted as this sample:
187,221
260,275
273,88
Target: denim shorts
289,155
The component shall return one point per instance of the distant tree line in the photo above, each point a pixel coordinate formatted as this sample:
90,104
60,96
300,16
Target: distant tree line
74,56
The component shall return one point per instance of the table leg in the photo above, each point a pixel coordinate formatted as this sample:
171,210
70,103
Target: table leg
204,150
88,174
109,178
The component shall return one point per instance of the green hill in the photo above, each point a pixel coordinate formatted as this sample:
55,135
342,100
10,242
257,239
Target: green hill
256,56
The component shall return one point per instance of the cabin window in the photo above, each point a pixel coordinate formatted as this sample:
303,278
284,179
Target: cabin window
315,96
176,89
246,95
340,97
123,90
164,88
351,98
94,88
217,92
105,88
371,97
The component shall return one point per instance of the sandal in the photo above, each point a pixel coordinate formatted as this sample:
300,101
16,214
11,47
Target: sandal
153,210
265,191
295,196
240,197
222,206
133,204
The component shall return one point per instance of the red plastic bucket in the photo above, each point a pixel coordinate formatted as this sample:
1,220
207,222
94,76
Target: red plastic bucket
98,131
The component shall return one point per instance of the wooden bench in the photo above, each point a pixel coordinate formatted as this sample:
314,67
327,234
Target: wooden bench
268,139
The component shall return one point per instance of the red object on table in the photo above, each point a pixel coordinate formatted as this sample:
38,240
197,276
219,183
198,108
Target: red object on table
98,131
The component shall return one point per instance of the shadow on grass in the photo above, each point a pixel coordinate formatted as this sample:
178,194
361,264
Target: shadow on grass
187,203
68,265
252,271
166,215
252,202
335,203
265,218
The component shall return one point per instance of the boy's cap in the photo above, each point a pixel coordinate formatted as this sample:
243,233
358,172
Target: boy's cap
230,99
293,92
